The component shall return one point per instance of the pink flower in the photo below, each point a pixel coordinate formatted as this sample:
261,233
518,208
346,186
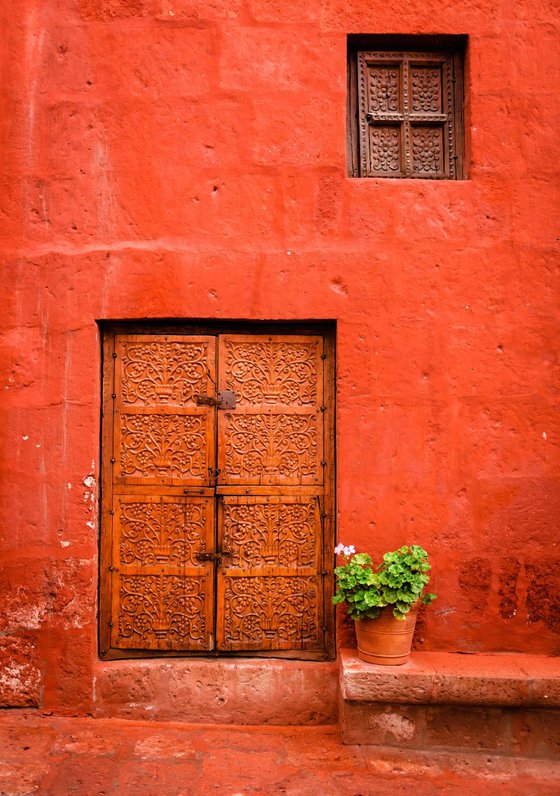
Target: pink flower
338,549
350,550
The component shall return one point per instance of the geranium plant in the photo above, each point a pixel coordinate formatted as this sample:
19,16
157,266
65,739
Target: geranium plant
399,581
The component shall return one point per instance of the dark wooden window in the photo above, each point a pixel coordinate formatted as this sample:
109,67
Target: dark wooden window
405,108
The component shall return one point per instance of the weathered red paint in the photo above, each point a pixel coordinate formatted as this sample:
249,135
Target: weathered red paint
186,159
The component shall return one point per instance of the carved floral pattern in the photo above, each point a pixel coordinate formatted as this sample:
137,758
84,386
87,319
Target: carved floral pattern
426,150
162,608
385,149
272,372
426,90
163,445
257,609
396,92
283,446
154,604
383,89
161,533
265,534
161,372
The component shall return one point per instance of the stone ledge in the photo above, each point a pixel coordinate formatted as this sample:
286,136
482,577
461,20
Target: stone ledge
431,678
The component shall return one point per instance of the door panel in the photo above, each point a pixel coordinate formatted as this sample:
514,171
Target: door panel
274,436
161,435
162,594
213,531
269,590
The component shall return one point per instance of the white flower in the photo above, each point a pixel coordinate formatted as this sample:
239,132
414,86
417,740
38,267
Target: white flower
348,550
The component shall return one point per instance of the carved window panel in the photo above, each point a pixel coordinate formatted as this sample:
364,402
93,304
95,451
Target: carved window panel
217,519
162,594
269,584
405,111
275,434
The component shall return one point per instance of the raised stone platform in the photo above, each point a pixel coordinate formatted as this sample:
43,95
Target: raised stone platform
505,704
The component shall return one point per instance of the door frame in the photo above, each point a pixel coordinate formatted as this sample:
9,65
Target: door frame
108,331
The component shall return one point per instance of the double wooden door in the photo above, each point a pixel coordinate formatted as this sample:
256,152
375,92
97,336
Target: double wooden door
217,501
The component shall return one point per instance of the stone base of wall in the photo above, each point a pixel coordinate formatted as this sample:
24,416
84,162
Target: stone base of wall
202,691
498,704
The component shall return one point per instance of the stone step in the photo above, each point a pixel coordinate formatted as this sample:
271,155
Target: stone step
221,691
504,704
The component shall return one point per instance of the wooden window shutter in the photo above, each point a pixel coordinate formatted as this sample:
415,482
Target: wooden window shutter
406,114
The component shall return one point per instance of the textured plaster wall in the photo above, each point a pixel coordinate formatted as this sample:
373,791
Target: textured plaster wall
182,158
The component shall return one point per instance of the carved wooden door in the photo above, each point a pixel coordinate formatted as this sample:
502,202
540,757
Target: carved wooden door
214,519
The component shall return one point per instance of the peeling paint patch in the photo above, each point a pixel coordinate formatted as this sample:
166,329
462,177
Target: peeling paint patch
474,580
20,675
445,611
508,587
393,725
543,594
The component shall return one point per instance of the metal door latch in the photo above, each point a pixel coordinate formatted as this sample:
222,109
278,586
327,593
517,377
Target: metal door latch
207,556
204,556
225,399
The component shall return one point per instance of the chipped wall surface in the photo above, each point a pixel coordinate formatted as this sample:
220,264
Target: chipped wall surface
186,159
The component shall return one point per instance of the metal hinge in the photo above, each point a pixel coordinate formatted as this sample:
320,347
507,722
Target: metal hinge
225,399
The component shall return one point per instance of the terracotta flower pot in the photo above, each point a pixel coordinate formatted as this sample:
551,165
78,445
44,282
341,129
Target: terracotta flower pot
386,640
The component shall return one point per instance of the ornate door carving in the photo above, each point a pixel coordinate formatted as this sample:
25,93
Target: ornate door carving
161,435
269,586
214,520
274,436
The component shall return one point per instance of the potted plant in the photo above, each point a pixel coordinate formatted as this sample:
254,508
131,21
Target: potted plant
383,600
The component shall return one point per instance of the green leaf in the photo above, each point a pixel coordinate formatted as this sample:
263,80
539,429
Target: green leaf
338,598
428,598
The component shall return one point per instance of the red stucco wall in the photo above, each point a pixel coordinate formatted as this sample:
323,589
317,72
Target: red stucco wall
186,159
